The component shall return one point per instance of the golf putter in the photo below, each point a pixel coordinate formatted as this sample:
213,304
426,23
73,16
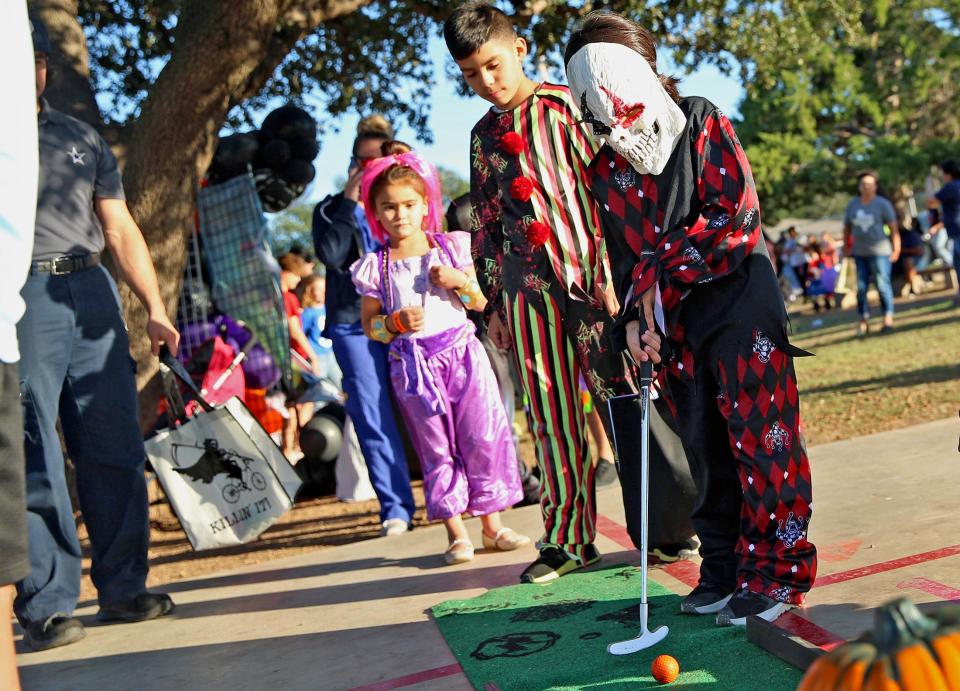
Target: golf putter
646,638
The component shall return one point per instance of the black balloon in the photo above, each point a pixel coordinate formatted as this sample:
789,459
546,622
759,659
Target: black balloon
275,192
280,153
321,438
298,172
289,122
233,156
304,149
274,154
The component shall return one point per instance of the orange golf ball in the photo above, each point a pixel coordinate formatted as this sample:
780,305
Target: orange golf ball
665,668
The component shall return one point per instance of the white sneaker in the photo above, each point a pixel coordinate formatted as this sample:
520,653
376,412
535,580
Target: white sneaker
394,526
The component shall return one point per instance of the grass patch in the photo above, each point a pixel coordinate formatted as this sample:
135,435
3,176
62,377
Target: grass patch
856,386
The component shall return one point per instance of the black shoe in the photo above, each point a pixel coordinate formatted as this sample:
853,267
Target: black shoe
669,554
606,474
554,562
746,603
139,608
706,598
530,483
56,630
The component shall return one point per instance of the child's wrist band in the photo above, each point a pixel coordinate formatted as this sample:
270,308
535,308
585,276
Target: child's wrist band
379,330
398,326
469,293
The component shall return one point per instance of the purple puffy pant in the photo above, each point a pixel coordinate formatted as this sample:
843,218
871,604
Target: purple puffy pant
466,450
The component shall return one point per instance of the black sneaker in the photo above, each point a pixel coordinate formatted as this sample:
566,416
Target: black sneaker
56,630
554,562
606,474
706,598
668,554
591,555
139,608
746,603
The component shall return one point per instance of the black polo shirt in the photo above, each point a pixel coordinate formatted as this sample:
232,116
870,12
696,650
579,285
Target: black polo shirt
76,166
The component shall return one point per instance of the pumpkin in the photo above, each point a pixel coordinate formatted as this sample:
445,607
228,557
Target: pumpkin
907,651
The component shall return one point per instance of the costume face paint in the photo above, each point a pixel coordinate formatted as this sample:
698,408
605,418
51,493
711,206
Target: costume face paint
625,105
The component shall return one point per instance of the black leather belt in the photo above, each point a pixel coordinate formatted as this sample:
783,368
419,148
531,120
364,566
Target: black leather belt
66,264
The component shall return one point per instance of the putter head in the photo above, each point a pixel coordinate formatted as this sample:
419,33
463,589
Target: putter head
646,639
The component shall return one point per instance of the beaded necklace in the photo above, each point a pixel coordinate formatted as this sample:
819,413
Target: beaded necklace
433,240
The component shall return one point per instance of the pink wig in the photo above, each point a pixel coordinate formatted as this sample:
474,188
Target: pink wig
418,165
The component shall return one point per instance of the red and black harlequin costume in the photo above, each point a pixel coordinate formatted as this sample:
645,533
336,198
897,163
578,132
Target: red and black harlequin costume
538,254
693,231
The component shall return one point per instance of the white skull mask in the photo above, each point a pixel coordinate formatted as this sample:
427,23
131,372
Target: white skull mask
623,101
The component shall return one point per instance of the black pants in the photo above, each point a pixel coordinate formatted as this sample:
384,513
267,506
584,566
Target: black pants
14,561
672,490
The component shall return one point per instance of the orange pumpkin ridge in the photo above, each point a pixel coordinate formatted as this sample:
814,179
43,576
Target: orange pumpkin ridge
947,651
906,651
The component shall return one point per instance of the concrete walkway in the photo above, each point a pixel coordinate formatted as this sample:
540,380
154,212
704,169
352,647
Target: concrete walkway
357,616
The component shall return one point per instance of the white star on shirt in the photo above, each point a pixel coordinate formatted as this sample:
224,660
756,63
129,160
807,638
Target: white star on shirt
76,156
863,221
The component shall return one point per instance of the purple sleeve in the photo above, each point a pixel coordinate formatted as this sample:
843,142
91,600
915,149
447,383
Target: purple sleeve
458,245
366,276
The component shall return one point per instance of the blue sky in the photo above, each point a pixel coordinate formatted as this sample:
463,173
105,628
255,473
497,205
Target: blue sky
452,117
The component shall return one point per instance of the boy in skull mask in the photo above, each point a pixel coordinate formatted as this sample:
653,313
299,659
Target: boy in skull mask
682,224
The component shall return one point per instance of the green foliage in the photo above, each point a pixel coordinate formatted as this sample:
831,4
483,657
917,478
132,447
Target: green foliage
844,88
290,227
831,86
453,184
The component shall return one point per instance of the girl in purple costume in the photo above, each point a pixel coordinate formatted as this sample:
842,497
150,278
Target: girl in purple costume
415,293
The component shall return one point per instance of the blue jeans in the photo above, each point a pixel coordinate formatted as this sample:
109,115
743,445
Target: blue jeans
366,381
75,364
878,269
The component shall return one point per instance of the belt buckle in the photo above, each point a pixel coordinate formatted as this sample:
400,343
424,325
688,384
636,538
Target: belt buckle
68,261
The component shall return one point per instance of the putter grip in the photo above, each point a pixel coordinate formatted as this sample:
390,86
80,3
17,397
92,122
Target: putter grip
646,367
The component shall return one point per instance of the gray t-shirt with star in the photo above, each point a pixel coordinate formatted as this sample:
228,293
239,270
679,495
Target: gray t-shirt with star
76,166
866,224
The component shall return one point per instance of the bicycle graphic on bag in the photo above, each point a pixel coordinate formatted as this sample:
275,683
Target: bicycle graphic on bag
216,461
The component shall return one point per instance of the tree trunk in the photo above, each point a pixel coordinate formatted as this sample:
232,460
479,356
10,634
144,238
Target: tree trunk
172,142
225,52
68,73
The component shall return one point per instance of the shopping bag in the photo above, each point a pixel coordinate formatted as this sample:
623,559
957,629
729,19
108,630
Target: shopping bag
223,487
225,478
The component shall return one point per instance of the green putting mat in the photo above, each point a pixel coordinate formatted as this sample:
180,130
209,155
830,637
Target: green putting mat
555,636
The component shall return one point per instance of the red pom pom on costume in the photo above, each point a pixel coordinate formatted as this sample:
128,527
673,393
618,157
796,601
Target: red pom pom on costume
511,143
521,189
538,233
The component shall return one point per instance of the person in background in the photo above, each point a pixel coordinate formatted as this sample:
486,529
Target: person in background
314,318
948,198
292,267
911,250
866,240
18,206
822,277
341,235
790,257
828,249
